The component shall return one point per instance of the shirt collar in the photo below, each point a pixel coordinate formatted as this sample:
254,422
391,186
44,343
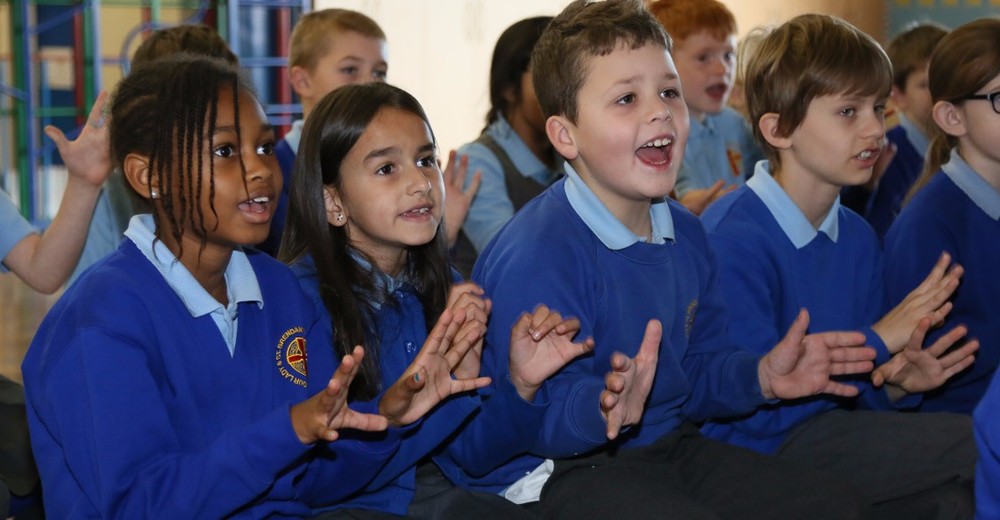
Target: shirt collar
793,222
982,193
384,284
611,232
524,160
241,281
914,135
700,130
294,134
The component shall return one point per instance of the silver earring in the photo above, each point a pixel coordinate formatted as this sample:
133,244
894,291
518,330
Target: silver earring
153,194
340,218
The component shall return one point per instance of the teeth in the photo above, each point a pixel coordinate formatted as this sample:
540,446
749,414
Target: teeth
260,200
865,155
657,143
423,210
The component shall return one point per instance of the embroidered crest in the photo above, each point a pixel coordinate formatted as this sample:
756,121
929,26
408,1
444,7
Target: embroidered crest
692,309
290,356
735,159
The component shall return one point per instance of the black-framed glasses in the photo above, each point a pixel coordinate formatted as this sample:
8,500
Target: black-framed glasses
993,97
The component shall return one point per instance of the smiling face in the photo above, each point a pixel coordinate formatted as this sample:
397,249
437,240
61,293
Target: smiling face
836,145
706,65
627,143
391,191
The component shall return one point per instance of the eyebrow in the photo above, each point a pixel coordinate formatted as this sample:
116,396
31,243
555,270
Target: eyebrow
632,79
389,150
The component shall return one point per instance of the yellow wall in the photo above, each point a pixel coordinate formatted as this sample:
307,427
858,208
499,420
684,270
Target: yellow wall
868,15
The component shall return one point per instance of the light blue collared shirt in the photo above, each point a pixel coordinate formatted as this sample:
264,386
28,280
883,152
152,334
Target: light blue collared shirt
982,193
241,281
914,135
611,232
492,207
13,228
294,135
793,222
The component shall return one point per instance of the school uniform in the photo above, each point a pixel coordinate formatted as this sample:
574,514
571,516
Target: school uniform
494,203
566,250
721,147
148,398
957,212
402,331
887,200
772,264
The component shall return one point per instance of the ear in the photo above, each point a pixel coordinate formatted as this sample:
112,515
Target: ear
336,212
949,118
300,80
135,168
561,134
768,125
897,97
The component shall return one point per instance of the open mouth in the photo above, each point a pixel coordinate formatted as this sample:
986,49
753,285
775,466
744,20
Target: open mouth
256,205
655,152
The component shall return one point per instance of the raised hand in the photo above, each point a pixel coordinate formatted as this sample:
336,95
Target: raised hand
930,298
915,369
88,157
428,381
468,296
540,344
319,417
627,385
697,200
457,200
801,366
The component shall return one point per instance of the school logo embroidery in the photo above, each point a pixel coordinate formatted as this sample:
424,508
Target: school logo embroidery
290,356
692,309
735,160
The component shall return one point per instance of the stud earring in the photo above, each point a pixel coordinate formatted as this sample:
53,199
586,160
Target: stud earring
340,218
153,194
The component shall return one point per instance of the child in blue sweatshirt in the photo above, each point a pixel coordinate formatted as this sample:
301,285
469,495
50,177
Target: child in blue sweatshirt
958,211
367,240
785,243
171,381
606,246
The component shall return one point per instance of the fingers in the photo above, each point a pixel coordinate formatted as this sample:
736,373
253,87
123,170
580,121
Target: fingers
470,192
96,116
840,389
959,359
797,332
851,367
58,137
945,342
467,385
456,349
614,382
714,190
363,421
443,332
649,350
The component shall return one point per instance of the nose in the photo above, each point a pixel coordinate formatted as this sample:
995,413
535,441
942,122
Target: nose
660,110
875,126
419,181
257,168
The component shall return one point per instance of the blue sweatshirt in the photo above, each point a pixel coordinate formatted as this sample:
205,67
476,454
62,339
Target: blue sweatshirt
138,410
773,263
958,212
402,332
549,254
